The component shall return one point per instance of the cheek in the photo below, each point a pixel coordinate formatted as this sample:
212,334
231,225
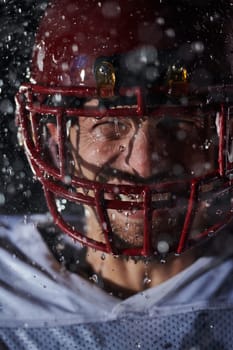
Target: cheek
192,153
197,157
98,153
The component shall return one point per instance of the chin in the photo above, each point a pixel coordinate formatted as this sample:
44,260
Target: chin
128,231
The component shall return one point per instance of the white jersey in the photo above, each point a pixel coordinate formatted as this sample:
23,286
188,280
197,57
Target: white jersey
44,306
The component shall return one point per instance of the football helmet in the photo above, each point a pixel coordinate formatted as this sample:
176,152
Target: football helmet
144,68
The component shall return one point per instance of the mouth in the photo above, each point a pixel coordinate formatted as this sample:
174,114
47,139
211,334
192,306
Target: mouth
159,201
138,198
129,227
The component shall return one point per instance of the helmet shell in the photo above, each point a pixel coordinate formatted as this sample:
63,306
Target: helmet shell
73,34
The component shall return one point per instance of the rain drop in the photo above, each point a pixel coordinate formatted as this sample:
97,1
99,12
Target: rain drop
170,33
2,199
74,47
219,212
67,179
94,278
111,9
198,46
163,247
104,225
160,20
181,135
146,281
126,226
116,190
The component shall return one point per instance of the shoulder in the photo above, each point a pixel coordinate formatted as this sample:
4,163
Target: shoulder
37,289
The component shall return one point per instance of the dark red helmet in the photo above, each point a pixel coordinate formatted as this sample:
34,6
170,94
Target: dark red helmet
128,115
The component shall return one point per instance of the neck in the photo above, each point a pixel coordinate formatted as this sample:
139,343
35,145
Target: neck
127,277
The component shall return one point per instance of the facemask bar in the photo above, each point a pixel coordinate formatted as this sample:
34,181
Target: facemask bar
103,205
52,178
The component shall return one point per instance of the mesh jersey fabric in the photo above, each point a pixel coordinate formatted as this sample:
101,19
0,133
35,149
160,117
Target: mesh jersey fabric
200,330
44,307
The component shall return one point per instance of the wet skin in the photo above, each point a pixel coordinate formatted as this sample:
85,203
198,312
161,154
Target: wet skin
142,151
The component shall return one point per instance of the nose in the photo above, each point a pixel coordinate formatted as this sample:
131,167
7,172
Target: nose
145,155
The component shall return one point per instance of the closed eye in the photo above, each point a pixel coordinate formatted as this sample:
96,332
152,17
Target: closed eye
110,129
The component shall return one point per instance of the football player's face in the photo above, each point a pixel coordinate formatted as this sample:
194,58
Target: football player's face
148,150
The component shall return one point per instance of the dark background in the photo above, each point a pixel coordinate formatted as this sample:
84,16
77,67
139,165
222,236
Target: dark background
19,191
